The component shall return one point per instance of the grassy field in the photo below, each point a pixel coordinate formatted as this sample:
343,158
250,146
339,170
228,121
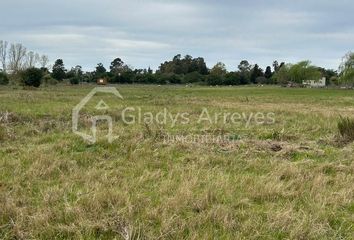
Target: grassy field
289,180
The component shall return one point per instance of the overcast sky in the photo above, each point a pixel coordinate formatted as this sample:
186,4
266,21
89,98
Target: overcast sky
147,32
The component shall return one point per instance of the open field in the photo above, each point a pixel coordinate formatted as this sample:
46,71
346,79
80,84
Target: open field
289,180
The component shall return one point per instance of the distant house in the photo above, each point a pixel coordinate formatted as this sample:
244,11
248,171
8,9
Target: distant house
315,83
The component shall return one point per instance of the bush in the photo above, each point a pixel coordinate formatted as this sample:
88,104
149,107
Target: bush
174,78
145,78
75,80
166,78
32,77
193,77
346,128
48,80
232,78
214,80
4,80
124,77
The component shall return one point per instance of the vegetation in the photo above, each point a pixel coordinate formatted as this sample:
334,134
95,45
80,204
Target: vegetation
179,70
32,77
346,128
347,69
289,180
4,80
59,71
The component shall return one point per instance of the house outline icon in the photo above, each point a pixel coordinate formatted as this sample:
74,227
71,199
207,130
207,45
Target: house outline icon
76,112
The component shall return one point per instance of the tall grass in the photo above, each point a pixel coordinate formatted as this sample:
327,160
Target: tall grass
346,128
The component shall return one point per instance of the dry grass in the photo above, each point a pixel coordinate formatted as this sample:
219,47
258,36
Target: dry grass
282,181
346,128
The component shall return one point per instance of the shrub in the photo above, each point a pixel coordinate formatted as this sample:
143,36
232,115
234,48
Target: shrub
193,77
214,80
166,78
174,78
48,80
75,80
146,78
32,77
232,78
261,80
4,80
346,128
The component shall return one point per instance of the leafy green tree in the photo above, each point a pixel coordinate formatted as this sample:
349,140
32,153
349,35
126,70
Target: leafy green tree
346,69
219,69
117,66
276,66
255,73
244,66
268,72
232,78
282,76
217,74
59,71
303,71
100,69
32,77
185,65
245,71
75,75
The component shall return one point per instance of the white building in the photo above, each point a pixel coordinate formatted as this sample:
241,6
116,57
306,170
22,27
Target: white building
315,83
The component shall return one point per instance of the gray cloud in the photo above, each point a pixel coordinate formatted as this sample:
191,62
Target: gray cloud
145,33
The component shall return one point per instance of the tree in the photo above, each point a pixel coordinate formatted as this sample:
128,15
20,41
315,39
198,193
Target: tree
75,74
59,71
303,71
116,66
245,69
217,74
17,53
244,66
32,77
100,69
232,78
201,66
276,66
281,76
330,75
268,73
346,69
256,72
43,61
219,69
3,54
185,65
31,59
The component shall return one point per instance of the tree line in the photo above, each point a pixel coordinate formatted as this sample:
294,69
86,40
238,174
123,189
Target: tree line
29,68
